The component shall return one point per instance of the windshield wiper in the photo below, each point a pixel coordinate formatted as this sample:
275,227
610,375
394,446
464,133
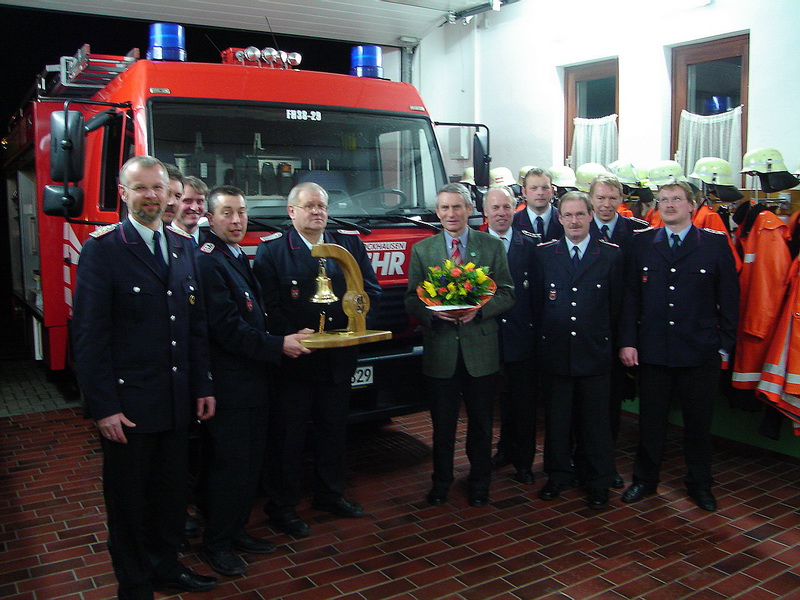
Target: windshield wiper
416,220
346,223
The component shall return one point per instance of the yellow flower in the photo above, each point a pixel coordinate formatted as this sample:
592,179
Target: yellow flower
430,288
448,264
451,287
469,266
480,276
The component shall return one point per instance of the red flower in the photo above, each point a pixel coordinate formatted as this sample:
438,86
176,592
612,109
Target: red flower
455,272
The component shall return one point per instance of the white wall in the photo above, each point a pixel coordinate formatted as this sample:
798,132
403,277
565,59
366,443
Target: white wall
505,69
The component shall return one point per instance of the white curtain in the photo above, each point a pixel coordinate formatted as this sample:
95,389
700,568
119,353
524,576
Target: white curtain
713,135
594,140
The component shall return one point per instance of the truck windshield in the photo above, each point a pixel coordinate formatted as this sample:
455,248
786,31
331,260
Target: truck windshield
371,164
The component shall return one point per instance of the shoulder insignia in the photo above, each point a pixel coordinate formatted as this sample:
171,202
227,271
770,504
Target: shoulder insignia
104,230
208,248
607,243
639,222
272,236
347,231
714,231
530,234
648,228
179,231
545,244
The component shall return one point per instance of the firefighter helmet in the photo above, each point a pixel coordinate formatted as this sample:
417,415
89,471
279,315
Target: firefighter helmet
468,176
626,173
763,160
713,170
586,174
500,176
663,172
522,172
562,176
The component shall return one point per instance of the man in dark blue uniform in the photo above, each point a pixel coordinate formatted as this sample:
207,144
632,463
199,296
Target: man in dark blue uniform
682,300
517,443
606,195
141,355
539,216
235,440
314,387
579,288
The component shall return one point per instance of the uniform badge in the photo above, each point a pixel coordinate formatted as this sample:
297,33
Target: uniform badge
208,247
295,292
552,294
644,277
101,231
191,299
248,301
525,284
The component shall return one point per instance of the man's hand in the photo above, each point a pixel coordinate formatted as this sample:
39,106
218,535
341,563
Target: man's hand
111,427
465,319
206,407
629,356
292,346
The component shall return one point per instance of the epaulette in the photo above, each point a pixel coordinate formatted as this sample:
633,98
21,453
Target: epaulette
714,231
607,243
648,228
208,248
179,231
104,230
548,243
530,234
641,222
272,236
347,231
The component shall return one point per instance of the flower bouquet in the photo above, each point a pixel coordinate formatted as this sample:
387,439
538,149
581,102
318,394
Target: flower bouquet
456,289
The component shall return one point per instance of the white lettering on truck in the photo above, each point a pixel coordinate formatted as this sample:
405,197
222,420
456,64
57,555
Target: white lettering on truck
388,258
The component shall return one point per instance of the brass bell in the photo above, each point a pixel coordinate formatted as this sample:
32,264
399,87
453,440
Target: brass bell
324,293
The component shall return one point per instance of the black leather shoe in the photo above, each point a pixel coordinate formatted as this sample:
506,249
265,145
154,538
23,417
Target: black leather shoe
290,524
188,581
478,498
704,499
436,497
341,507
636,492
253,545
524,476
597,499
618,482
225,562
551,490
500,459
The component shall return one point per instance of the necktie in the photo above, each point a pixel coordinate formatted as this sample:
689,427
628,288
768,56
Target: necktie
676,243
540,226
157,252
604,232
456,256
505,242
576,259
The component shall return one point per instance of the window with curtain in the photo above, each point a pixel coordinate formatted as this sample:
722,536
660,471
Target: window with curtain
591,93
710,135
594,140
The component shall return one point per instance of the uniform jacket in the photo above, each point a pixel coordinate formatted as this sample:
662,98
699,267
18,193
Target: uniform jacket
237,327
517,335
287,274
477,340
140,339
579,308
764,280
623,231
555,230
682,310
779,383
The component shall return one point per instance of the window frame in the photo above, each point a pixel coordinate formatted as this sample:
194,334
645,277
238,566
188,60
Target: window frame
577,74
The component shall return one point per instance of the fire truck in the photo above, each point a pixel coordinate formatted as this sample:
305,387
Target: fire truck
255,121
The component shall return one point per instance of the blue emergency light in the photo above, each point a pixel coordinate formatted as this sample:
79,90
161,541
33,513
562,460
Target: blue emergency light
167,42
366,61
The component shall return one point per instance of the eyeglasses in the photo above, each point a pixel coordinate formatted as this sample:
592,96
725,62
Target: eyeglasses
143,189
313,208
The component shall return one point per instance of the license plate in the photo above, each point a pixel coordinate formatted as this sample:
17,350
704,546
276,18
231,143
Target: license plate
363,376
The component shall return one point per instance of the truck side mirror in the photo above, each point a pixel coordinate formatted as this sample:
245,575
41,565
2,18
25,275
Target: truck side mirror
62,201
67,134
480,157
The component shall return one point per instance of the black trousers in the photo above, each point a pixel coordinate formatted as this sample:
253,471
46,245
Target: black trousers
518,404
326,405
696,389
445,406
582,401
233,445
145,486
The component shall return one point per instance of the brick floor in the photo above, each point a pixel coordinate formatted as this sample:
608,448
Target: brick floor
52,529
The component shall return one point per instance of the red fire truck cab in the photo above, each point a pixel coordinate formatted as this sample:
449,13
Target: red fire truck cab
255,123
